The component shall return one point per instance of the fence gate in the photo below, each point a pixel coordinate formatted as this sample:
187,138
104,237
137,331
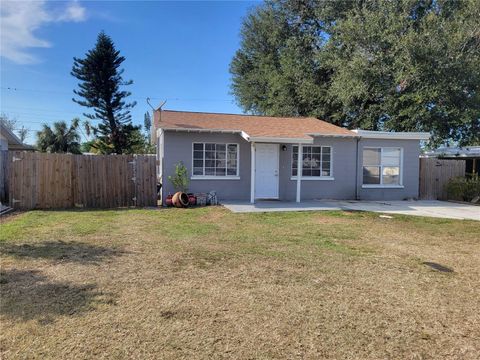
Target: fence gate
435,174
55,181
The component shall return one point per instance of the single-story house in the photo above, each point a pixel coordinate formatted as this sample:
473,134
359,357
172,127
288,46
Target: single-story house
245,157
10,141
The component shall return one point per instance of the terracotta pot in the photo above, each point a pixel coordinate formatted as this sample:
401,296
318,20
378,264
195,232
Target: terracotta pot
180,199
168,200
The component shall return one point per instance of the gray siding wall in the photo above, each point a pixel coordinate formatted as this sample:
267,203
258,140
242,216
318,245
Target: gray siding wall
343,160
411,163
177,146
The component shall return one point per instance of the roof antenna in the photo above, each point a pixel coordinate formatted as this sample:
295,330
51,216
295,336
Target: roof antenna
157,109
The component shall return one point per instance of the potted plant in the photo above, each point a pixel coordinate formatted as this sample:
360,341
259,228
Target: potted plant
180,182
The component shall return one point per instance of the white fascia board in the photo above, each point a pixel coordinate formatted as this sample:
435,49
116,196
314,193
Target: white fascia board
260,139
220,131
369,134
267,139
353,136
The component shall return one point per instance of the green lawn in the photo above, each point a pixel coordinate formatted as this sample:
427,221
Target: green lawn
206,283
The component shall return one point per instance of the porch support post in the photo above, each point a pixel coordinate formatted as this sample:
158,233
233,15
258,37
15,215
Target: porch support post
252,174
299,171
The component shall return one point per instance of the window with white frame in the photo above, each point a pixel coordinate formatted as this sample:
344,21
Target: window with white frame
211,159
382,166
316,161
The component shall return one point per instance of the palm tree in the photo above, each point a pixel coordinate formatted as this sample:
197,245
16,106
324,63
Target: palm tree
59,138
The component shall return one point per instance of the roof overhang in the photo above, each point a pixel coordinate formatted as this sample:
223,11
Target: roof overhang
368,134
273,139
243,134
22,147
188,130
10,136
346,136
14,142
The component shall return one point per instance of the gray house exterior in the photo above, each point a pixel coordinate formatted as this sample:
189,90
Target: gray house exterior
235,156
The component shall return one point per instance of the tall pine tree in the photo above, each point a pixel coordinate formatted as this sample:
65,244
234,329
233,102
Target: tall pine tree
100,89
147,125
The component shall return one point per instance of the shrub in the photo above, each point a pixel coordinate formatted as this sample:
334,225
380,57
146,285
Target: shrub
463,188
180,179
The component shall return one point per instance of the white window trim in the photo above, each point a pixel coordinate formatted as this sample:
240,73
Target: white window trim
314,178
320,178
216,177
381,185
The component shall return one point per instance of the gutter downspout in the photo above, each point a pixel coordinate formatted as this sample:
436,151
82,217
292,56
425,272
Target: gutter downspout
356,171
252,173
299,173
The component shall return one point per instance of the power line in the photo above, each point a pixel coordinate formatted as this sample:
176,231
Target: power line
28,123
37,109
131,97
24,129
33,90
36,115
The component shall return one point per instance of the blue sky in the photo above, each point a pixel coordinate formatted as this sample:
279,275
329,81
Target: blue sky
178,51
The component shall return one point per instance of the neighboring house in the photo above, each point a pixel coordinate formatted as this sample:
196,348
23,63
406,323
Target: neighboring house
245,157
10,141
469,154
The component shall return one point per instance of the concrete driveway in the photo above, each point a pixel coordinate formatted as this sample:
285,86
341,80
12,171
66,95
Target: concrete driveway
439,209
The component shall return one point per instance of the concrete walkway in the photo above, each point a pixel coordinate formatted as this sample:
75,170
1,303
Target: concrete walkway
439,209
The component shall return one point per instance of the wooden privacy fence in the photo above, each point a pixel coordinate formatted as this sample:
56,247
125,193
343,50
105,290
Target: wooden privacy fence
435,174
55,181
4,177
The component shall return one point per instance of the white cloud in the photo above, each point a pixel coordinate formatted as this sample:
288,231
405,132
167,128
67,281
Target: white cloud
21,19
74,12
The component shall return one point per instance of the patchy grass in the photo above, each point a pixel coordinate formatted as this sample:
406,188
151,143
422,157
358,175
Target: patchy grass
206,283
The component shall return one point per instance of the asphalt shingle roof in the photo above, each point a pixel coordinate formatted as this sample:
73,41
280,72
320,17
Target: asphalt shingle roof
254,126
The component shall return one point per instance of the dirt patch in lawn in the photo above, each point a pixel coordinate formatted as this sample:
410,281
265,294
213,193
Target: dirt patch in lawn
60,251
29,295
11,216
323,219
208,284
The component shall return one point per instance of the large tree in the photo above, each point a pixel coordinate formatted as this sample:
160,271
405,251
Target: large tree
60,138
391,65
100,89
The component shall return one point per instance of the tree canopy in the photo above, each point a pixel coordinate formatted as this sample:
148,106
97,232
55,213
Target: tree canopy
60,138
407,65
100,85
140,144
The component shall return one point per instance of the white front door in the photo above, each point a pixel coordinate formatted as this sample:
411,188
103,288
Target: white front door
266,171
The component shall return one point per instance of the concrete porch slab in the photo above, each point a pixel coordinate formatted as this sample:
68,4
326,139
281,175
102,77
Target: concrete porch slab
438,209
277,206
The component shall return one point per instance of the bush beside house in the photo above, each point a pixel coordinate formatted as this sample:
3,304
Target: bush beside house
464,188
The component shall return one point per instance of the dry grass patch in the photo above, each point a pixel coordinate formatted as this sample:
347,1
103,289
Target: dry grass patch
205,283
